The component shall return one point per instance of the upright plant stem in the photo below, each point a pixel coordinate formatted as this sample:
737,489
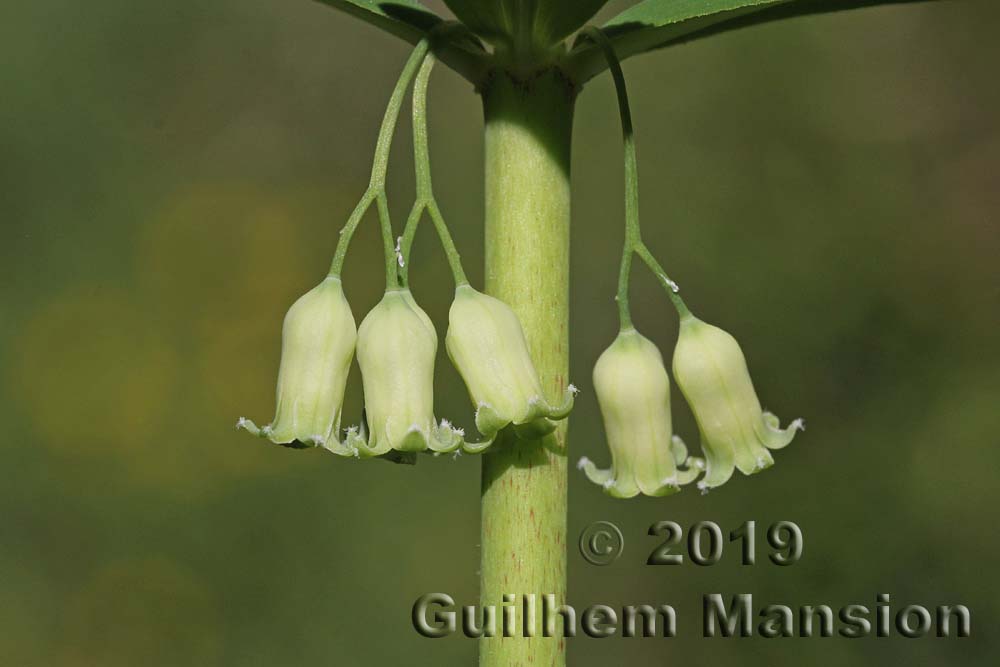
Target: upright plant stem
527,142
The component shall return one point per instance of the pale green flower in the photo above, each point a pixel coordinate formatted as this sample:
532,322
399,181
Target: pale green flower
711,371
317,344
397,344
633,390
486,343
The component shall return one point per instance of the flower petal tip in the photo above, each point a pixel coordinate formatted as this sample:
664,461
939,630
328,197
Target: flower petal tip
247,425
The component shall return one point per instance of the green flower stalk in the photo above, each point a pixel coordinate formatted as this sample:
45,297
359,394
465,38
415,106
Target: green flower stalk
317,345
486,343
633,390
735,432
375,194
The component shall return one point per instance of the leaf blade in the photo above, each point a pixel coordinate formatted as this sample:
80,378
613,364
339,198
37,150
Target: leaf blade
407,19
656,24
411,21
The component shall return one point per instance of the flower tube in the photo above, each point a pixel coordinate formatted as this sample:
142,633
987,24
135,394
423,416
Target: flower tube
486,344
736,433
317,343
633,390
396,349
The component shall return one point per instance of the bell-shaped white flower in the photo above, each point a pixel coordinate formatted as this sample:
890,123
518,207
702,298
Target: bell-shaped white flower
397,344
633,390
486,343
317,344
711,371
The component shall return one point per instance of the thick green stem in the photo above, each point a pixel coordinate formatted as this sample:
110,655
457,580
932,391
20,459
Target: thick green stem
528,131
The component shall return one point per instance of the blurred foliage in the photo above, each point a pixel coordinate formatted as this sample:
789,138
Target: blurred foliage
174,175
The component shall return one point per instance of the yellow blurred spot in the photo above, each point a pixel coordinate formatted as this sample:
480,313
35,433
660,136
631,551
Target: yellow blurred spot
223,256
92,375
141,612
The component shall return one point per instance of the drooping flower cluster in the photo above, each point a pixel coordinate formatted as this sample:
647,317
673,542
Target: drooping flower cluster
397,343
396,347
633,387
634,394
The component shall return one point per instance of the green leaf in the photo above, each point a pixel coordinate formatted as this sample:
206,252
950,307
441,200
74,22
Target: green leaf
654,24
403,18
411,21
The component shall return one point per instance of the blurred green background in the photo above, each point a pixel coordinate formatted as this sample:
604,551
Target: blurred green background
173,176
